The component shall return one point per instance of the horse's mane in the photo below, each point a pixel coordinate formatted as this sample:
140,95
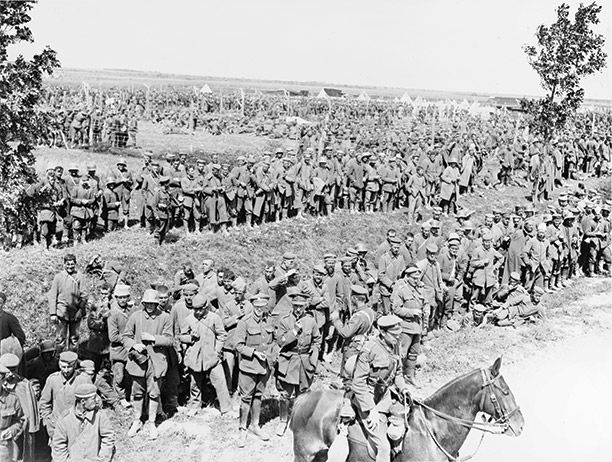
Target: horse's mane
446,387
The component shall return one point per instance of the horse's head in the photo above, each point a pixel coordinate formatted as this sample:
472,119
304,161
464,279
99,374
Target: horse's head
497,400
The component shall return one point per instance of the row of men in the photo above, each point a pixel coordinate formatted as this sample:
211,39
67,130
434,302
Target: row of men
212,195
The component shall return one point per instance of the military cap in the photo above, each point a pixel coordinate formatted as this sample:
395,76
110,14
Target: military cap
426,225
351,252
147,154
453,237
361,248
538,290
556,214
215,166
436,208
359,290
411,269
121,290
434,223
279,151
480,308
346,259
364,155
389,322
170,156
9,360
4,370
150,296
164,179
319,269
87,365
260,299
46,346
515,276
563,197
161,288
289,256
122,161
547,217
202,161
199,301
322,160
154,162
190,287
250,159
541,228
329,256
240,158
73,168
567,215
91,167
395,240
487,236
432,248
605,206
68,356
489,215
85,390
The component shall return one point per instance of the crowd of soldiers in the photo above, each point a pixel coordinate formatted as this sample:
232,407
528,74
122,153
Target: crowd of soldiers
371,308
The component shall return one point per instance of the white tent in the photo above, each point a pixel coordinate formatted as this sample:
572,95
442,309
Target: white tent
363,96
406,99
322,94
205,90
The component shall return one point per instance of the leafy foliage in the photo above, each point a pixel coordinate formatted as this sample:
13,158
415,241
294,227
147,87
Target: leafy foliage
565,52
20,120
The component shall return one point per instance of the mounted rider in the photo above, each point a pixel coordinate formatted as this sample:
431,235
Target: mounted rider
377,377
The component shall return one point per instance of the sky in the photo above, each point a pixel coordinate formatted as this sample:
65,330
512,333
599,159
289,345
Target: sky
451,45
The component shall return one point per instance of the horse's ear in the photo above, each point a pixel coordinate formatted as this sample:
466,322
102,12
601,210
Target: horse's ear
496,367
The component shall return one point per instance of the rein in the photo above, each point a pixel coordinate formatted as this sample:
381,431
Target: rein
498,426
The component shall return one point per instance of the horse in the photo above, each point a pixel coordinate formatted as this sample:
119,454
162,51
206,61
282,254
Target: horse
438,426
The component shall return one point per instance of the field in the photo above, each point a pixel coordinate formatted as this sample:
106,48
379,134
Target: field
26,275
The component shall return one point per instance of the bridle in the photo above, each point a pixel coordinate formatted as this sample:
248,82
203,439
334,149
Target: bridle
496,424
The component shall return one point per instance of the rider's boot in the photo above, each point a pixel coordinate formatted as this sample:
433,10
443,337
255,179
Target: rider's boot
410,369
255,414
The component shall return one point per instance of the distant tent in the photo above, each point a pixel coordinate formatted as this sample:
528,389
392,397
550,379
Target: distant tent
330,93
396,100
406,99
363,96
205,90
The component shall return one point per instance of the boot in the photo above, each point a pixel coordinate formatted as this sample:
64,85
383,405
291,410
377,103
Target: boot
150,425
283,413
255,413
242,437
409,369
137,423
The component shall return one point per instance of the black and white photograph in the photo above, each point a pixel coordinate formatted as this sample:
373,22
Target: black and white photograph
305,231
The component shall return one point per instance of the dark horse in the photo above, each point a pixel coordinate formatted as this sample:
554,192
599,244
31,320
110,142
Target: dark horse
438,426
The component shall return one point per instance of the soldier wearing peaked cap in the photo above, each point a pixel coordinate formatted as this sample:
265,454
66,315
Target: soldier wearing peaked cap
57,396
111,202
204,337
378,372
13,421
535,260
257,350
354,330
390,266
85,432
162,205
299,340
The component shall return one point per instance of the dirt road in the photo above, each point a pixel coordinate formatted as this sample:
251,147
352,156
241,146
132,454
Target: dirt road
565,396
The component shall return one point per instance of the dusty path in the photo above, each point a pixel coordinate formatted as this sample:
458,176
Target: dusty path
565,396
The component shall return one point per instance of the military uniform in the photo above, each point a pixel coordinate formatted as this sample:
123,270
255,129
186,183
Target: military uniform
254,334
13,422
377,368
